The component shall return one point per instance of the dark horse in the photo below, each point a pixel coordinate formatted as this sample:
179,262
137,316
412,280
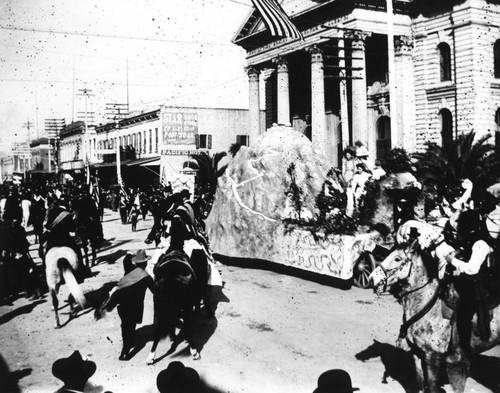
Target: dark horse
88,227
413,278
179,286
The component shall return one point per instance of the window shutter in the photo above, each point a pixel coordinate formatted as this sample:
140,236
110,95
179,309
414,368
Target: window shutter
209,142
197,140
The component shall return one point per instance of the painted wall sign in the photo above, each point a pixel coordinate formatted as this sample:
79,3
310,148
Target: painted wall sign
179,128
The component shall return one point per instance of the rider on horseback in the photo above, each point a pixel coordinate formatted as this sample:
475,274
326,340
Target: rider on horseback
469,267
58,227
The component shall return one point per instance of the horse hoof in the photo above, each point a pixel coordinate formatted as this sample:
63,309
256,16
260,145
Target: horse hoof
195,354
151,359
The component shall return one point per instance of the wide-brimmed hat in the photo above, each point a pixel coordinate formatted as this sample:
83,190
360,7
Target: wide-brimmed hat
140,257
73,369
177,377
338,381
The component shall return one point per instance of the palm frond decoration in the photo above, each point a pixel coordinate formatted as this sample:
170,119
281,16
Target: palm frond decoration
445,167
209,170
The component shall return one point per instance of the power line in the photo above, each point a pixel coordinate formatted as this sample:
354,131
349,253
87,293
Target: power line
75,33
239,2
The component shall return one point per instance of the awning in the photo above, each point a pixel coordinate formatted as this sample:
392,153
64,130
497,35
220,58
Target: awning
150,161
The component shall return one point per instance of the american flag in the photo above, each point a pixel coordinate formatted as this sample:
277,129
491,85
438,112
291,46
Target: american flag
95,190
276,19
123,192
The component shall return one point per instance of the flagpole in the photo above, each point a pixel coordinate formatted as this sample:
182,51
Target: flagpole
118,158
391,67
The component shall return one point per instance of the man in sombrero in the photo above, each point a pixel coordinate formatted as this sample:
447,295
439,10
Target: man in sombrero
60,224
128,295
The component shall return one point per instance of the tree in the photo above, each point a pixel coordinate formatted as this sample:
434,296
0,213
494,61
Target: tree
443,168
234,149
209,171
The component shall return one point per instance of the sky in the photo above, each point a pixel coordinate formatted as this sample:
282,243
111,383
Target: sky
174,52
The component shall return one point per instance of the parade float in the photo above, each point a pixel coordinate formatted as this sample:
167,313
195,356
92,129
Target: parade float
280,204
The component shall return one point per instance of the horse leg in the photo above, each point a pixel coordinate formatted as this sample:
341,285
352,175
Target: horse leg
188,330
85,247
93,256
431,373
419,372
55,306
152,354
71,302
457,364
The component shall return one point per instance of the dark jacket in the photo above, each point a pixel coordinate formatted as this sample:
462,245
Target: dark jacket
129,295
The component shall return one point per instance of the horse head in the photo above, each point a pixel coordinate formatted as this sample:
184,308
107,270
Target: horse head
394,272
372,351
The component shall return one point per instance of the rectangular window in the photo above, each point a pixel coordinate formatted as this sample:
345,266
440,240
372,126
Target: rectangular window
156,140
150,141
242,140
145,146
204,141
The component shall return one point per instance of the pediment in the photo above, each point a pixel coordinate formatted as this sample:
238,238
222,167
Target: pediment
254,23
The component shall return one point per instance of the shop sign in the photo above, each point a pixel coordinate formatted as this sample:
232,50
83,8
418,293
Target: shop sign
179,128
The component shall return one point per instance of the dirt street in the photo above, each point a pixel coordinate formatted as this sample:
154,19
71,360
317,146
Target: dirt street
272,334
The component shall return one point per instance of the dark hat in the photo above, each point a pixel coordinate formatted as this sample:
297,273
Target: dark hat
73,370
140,257
178,378
338,381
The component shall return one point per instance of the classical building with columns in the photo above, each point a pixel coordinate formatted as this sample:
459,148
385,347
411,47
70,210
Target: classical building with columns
346,81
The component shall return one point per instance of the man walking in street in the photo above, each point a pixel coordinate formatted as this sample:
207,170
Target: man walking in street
128,295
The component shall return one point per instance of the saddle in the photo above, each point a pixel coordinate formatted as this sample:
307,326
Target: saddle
165,262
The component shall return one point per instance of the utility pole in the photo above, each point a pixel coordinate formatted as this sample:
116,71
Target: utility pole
115,112
28,126
88,115
53,128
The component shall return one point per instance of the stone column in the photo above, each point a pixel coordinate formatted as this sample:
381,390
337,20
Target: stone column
359,100
253,104
318,117
405,93
283,91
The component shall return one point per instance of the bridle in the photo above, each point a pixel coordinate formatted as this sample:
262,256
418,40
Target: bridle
403,330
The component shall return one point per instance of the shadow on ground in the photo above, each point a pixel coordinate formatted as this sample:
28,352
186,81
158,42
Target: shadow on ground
26,309
399,364
9,379
112,257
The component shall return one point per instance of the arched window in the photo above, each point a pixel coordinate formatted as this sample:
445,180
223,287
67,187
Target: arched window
446,126
444,61
383,136
496,54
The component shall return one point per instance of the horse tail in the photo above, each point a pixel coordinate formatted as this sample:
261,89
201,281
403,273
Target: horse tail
71,282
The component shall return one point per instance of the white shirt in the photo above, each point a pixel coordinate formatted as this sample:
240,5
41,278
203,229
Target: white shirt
480,252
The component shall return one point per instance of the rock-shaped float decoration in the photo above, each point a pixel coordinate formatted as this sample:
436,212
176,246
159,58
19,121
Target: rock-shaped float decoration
245,220
250,197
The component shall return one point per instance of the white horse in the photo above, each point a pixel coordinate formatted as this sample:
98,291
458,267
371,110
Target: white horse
61,262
